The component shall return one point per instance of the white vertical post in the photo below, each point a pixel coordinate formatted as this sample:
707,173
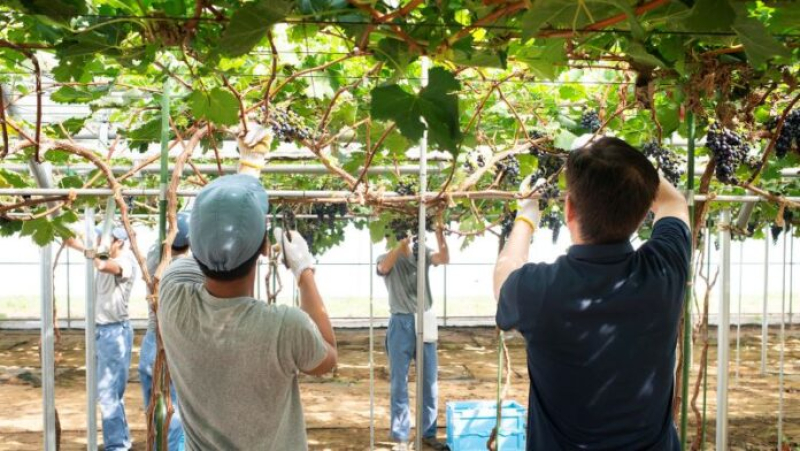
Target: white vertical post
421,273
723,332
371,348
739,312
47,349
764,312
791,274
91,360
786,236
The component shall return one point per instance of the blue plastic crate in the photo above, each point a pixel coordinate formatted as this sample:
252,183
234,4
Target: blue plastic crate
470,423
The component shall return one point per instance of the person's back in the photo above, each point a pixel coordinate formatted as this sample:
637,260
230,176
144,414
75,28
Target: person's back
235,359
601,322
236,369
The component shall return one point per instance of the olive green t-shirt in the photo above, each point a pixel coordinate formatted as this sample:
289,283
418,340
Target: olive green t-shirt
235,364
401,282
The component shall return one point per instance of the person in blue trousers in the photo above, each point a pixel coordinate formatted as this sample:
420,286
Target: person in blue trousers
116,274
147,356
399,271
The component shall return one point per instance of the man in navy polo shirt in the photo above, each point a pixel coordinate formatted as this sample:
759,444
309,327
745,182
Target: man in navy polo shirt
601,323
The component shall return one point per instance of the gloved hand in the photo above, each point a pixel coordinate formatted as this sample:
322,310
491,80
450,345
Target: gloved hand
528,208
295,252
253,149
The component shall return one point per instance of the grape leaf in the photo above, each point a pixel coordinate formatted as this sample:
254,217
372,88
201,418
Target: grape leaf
709,15
436,104
79,94
545,58
759,45
249,24
218,106
40,230
545,12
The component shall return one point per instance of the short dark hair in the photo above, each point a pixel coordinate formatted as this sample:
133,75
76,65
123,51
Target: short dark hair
234,274
611,188
180,249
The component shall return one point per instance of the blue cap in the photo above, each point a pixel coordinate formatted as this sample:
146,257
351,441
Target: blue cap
117,232
182,238
228,222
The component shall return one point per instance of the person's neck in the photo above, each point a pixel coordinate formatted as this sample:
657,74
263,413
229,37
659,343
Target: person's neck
231,289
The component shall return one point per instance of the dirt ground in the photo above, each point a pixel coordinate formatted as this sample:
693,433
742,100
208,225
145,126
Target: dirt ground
337,407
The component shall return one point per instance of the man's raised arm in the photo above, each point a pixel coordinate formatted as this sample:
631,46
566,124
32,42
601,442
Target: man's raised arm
518,244
670,202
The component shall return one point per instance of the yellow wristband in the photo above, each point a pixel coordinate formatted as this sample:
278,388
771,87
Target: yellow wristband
526,221
251,165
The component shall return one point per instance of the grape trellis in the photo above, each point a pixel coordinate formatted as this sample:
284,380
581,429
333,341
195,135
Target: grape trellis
513,84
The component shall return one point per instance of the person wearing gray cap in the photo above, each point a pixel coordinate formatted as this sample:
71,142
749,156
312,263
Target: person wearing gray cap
116,275
147,354
235,359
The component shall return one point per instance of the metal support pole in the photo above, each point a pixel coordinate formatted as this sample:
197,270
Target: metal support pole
723,333
421,273
791,274
47,349
686,355
764,312
371,347
782,344
739,312
444,296
91,360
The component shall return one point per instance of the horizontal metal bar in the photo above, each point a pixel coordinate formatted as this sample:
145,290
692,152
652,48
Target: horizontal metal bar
317,194
298,169
312,194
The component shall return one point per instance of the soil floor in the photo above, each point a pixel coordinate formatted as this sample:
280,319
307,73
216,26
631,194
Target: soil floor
337,407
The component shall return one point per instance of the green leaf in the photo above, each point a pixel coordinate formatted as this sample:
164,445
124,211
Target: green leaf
249,24
11,179
393,103
79,94
218,106
759,45
9,227
564,140
377,231
149,132
60,10
394,52
436,104
40,230
72,181
669,118
56,156
709,15
639,54
545,58
543,12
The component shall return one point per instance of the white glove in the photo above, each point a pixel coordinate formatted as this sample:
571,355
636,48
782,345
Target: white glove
528,208
295,252
253,149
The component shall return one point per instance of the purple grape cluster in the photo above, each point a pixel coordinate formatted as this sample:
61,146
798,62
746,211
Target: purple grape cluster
590,120
790,134
669,163
729,150
552,220
547,192
549,164
327,213
509,167
507,224
288,127
406,188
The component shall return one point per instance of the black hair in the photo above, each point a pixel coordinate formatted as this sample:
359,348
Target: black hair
236,273
611,186
180,249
